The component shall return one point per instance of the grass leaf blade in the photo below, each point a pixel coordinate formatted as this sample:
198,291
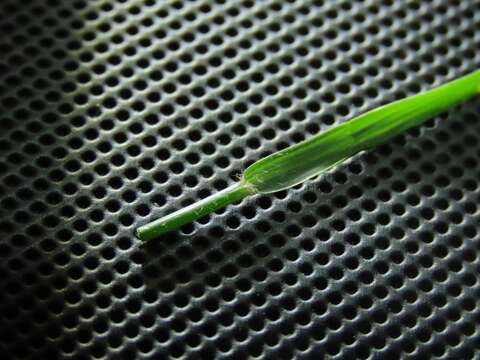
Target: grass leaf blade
309,158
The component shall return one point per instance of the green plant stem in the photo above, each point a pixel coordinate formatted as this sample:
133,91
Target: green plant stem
231,194
309,158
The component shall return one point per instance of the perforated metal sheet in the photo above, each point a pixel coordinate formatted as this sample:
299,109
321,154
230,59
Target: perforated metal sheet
117,112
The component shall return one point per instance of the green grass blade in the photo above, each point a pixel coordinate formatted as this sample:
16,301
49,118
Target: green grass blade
302,161
309,158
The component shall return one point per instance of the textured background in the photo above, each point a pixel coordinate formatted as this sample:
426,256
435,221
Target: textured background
116,112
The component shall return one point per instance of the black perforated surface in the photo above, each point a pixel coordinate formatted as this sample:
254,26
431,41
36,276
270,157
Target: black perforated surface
116,112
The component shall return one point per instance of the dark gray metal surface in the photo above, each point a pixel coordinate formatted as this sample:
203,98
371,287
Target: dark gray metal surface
116,112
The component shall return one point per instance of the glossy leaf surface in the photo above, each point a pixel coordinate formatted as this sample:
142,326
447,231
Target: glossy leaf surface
299,162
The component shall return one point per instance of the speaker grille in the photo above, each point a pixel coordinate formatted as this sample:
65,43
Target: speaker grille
117,112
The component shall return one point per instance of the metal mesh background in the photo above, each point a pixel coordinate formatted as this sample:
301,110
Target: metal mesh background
116,112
